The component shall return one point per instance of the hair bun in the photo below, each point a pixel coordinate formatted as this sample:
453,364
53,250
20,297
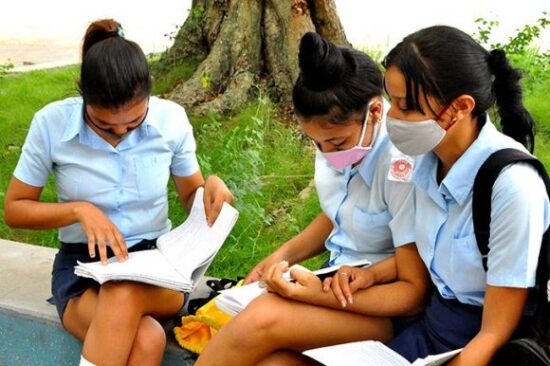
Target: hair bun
322,63
100,30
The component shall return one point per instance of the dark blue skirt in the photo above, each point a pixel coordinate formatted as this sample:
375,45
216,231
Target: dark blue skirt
445,326
66,284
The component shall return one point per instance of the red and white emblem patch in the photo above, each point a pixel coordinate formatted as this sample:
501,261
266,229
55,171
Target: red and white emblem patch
401,169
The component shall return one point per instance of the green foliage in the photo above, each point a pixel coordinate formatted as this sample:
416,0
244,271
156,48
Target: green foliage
519,48
169,68
266,165
194,17
535,66
5,68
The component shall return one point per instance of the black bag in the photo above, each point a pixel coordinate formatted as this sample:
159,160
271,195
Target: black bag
216,285
532,348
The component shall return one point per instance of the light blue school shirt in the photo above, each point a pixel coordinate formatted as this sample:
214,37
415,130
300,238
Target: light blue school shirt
444,228
127,182
371,215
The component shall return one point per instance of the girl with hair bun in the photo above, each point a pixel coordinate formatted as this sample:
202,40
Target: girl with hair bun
367,213
442,84
112,151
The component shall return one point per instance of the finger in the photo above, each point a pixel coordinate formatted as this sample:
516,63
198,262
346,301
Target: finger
266,278
326,284
102,249
346,274
281,285
215,209
275,279
337,290
114,246
121,243
253,276
207,201
344,285
302,277
229,197
91,245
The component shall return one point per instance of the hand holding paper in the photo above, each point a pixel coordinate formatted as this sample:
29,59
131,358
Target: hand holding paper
182,255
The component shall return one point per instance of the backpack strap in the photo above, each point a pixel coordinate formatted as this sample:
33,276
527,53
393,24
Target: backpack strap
483,187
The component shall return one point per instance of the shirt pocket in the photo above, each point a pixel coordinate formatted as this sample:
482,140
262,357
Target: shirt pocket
467,273
372,229
152,175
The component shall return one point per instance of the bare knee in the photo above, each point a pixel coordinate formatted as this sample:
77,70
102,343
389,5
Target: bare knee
119,305
118,292
149,343
263,320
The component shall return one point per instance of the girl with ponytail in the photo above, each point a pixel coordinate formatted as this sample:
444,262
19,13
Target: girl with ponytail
442,84
363,185
112,151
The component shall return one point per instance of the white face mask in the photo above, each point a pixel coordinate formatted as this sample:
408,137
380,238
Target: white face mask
414,138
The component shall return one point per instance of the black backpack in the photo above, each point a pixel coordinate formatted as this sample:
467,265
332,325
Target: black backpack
530,346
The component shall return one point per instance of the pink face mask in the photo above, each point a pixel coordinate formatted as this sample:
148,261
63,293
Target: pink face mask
345,158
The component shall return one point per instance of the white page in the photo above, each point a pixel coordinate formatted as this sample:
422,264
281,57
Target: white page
436,360
191,246
148,266
233,300
372,353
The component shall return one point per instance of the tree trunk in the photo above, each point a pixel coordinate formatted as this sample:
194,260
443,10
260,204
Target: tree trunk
245,46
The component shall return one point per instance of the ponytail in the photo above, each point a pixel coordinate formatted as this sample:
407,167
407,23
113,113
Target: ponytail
114,70
515,120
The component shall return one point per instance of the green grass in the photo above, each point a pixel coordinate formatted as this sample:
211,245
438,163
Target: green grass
265,162
166,78
21,95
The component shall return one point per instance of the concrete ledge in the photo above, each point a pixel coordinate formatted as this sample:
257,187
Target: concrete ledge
30,330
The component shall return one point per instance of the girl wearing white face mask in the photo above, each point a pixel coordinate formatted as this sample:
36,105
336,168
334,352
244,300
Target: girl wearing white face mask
365,215
441,84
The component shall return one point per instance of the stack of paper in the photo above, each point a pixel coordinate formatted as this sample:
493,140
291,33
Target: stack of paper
182,255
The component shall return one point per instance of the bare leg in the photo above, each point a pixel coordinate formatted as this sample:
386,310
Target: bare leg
114,324
271,324
149,344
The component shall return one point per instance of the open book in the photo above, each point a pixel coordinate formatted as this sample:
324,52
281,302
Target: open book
232,301
372,353
182,255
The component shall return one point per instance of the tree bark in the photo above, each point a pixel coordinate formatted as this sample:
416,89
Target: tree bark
245,46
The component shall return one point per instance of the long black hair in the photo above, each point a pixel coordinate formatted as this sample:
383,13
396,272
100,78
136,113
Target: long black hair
445,62
114,70
334,82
